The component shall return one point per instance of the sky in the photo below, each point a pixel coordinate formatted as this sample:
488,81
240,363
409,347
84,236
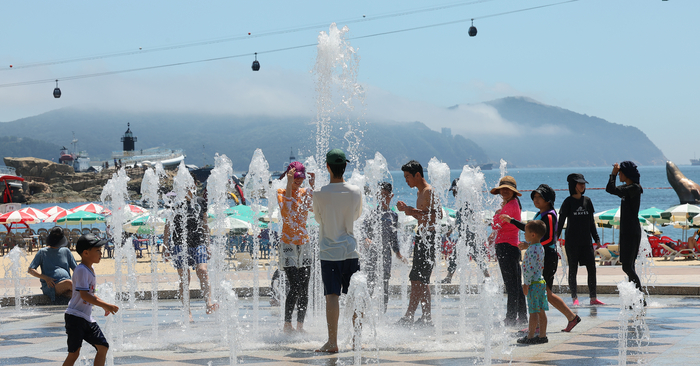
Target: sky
631,62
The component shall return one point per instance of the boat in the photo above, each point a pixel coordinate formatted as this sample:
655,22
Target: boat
169,158
694,161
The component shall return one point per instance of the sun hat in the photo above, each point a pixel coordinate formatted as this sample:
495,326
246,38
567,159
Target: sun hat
88,241
546,192
507,182
56,239
299,170
576,178
336,156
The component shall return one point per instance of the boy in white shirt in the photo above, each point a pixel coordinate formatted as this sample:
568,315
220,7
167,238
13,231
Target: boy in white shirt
80,325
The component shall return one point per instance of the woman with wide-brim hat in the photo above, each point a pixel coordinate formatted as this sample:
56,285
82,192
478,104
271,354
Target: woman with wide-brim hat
505,235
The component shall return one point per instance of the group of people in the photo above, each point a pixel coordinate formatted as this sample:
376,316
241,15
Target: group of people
336,207
540,263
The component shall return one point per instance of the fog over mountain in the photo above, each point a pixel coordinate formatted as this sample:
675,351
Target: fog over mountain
523,132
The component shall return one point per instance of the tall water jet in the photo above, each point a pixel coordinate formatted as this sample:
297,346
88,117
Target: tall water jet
16,256
376,171
338,94
105,292
114,196
217,192
439,176
317,301
229,311
358,305
256,188
149,198
183,185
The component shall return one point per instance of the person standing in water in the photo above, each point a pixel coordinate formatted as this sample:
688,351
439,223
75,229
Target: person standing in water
543,198
578,210
630,231
427,212
295,253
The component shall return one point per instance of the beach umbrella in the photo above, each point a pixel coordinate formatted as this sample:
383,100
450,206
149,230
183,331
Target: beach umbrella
696,220
653,214
34,212
240,210
59,215
231,224
80,218
680,213
143,225
612,217
50,211
450,212
526,216
15,218
136,209
93,208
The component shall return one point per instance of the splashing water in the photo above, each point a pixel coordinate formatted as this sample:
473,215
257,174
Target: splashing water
631,311
357,306
256,188
183,185
645,263
338,93
106,292
439,175
503,168
17,256
114,196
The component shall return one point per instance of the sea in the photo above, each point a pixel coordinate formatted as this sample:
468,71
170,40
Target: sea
657,191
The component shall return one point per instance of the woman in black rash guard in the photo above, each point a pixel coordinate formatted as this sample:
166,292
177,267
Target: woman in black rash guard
630,230
577,210
543,198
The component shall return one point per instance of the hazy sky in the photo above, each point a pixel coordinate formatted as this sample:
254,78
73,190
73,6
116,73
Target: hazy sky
630,62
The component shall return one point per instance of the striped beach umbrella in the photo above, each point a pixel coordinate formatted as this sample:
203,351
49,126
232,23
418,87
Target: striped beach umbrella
93,208
18,217
59,215
34,212
50,211
80,218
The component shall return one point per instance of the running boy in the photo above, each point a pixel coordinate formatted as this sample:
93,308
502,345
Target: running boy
80,324
534,284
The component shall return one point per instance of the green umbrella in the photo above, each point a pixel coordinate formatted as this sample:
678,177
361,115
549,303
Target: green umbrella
613,217
653,214
80,218
239,211
140,225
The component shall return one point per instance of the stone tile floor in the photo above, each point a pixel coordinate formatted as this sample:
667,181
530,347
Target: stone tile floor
36,336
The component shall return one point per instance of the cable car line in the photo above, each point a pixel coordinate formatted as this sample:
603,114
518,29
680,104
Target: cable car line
238,38
106,73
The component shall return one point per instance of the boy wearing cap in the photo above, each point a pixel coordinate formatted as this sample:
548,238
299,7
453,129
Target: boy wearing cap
630,231
427,213
578,210
56,262
80,325
336,207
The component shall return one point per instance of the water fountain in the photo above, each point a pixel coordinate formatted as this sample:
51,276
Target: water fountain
114,196
183,185
439,176
17,256
631,311
256,188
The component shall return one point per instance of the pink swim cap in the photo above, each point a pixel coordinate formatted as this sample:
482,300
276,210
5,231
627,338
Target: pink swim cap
300,170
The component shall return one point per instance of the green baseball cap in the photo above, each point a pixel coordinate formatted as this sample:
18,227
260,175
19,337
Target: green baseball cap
336,156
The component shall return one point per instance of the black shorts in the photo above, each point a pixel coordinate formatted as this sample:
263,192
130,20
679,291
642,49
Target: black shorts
551,261
336,275
79,329
423,258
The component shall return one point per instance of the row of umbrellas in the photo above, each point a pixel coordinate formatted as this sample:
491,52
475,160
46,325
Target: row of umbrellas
90,213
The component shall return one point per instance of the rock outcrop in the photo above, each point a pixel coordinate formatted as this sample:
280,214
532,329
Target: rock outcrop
34,167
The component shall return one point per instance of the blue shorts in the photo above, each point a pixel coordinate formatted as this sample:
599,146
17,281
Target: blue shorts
537,298
79,329
194,256
336,275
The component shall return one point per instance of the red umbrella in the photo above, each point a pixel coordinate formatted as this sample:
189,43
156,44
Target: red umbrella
34,212
50,211
94,208
58,215
19,218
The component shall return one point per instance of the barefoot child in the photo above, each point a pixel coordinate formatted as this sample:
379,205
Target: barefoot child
534,284
80,324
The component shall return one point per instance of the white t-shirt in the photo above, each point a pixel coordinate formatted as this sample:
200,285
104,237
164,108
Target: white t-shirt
336,207
83,280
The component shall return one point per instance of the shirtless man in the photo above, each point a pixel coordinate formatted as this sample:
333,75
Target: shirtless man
427,214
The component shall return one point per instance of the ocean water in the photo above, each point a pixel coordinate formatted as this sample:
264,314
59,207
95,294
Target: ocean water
657,191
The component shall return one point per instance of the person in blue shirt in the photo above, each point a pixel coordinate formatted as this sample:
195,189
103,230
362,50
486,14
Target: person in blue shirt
56,263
